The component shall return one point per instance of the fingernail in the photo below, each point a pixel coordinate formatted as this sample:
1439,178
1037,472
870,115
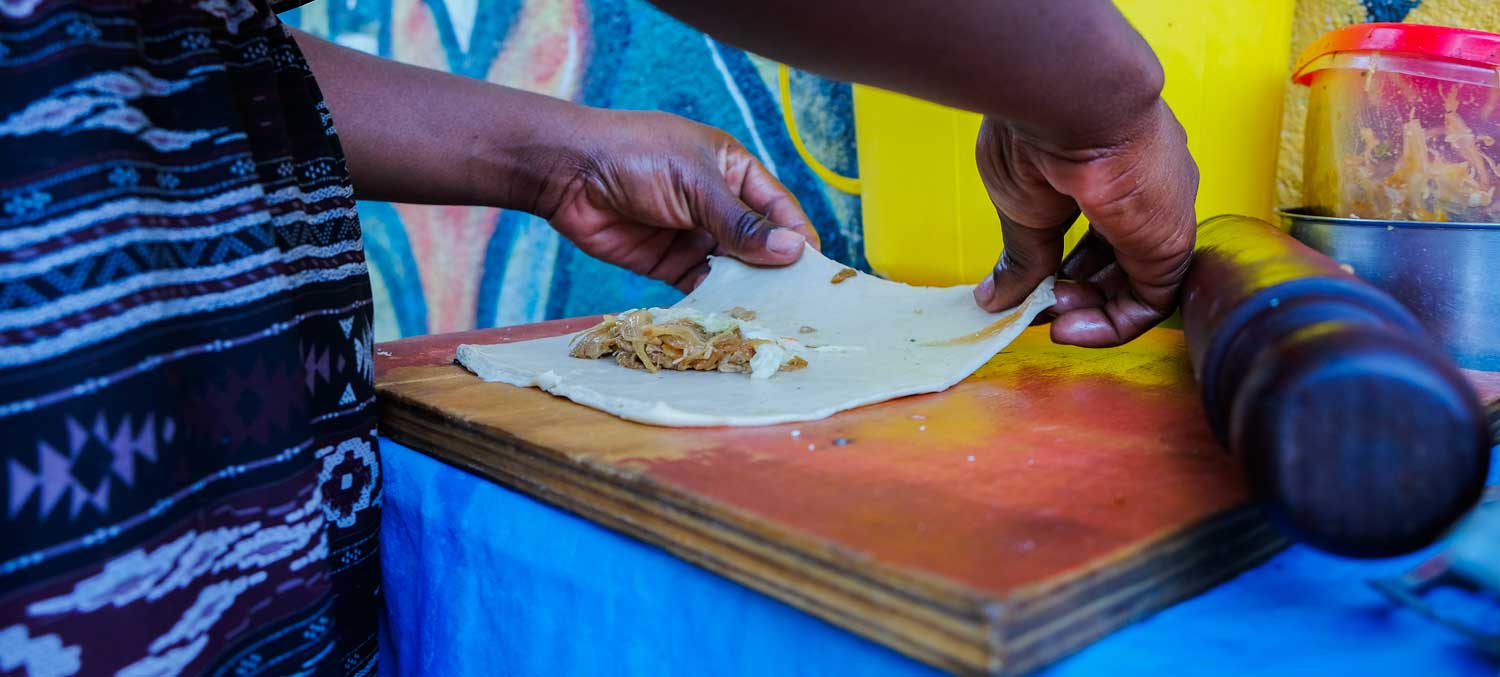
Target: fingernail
985,288
783,241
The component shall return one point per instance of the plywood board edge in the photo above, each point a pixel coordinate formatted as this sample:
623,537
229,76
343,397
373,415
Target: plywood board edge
1182,565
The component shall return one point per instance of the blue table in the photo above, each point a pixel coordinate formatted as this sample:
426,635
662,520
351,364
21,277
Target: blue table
481,580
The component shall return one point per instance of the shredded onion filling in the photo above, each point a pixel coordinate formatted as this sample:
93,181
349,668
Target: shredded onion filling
1434,174
636,340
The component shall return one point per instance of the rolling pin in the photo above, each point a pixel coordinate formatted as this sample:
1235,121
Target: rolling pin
1358,435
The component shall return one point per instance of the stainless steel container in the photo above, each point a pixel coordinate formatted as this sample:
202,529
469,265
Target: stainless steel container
1448,274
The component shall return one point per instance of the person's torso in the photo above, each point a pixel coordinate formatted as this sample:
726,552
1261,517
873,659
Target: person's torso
188,479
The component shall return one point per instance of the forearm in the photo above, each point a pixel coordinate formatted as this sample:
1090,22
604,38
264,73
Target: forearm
422,136
1071,71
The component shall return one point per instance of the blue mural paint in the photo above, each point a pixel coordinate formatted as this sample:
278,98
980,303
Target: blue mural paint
363,17
1389,10
384,34
496,255
667,66
525,289
638,58
825,113
834,124
562,284
610,26
492,22
795,174
586,286
388,250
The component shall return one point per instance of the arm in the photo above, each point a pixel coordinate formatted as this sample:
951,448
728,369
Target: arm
1067,69
421,136
650,192
1074,123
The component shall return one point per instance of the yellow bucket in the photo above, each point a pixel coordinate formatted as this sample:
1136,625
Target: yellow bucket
927,217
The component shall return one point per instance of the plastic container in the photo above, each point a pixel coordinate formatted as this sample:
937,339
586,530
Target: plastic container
927,217
1403,123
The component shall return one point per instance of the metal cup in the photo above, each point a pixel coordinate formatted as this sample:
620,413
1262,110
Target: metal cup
1448,274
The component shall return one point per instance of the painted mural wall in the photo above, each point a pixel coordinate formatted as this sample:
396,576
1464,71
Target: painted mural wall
441,269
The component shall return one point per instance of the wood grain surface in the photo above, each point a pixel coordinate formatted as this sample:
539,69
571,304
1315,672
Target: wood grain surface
1054,496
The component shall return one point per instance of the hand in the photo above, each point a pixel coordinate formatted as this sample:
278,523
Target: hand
1123,277
656,194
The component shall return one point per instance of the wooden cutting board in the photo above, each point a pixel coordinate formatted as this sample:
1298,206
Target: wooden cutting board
1054,496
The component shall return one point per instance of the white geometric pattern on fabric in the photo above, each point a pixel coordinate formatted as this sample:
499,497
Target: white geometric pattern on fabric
40,656
352,460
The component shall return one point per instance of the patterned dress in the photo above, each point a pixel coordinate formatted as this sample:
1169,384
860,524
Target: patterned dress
188,474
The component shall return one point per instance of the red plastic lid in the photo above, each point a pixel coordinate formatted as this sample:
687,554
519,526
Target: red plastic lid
1461,45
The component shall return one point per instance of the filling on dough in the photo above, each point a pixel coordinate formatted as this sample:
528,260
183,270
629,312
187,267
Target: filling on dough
687,340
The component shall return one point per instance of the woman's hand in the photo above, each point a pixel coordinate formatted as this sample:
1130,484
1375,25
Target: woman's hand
656,194
651,192
1123,278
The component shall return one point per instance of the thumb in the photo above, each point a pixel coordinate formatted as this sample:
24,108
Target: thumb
745,233
1030,256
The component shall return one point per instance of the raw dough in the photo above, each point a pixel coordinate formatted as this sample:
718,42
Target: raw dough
876,340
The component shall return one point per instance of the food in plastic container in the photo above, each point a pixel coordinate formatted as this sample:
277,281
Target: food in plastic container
1403,123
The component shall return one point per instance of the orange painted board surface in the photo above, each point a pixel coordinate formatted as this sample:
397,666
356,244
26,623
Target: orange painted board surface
1026,470
1056,494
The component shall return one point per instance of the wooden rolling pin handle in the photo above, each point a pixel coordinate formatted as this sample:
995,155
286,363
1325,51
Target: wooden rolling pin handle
1357,433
